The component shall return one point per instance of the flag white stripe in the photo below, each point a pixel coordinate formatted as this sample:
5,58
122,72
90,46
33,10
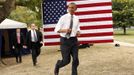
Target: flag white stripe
95,38
84,31
82,39
88,1
95,16
94,8
84,24
96,23
97,30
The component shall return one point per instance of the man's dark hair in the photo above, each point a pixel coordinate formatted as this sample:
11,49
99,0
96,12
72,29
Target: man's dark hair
72,4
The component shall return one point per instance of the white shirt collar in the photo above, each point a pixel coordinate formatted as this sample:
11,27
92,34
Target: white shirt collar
70,14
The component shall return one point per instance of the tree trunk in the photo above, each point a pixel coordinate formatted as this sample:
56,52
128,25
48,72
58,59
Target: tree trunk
124,30
6,9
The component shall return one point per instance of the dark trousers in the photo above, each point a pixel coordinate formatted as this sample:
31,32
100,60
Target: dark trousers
69,47
35,52
18,54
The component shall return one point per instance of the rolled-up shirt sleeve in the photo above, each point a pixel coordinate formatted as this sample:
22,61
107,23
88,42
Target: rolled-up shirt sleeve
59,25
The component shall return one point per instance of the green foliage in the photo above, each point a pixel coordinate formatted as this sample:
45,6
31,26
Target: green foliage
123,13
24,14
28,11
34,5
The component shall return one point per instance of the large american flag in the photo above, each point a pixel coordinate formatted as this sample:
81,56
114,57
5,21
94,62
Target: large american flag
95,20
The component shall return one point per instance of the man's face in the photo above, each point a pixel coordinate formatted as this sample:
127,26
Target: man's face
33,26
72,8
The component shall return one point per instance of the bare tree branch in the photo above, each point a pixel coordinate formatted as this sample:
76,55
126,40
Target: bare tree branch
16,3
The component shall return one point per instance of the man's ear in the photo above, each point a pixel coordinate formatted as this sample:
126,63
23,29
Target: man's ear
76,9
67,6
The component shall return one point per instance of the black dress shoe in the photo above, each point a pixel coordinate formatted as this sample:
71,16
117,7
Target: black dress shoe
56,71
56,74
34,63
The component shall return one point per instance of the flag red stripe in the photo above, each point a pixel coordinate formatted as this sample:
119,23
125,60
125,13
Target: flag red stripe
82,35
93,12
73,0
48,29
96,19
85,27
96,41
94,4
51,36
81,42
51,43
96,27
97,34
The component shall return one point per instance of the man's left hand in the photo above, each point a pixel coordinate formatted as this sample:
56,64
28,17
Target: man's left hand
78,33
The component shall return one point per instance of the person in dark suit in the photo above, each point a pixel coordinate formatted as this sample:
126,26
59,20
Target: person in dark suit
0,44
68,27
18,44
3,46
34,39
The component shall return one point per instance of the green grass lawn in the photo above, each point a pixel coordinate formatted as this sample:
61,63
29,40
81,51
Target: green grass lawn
129,37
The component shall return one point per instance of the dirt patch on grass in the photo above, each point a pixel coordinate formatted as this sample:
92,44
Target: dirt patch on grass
104,59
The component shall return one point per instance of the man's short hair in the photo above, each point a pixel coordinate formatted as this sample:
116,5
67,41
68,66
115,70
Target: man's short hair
72,3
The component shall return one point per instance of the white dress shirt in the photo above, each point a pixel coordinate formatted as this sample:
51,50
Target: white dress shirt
32,35
64,23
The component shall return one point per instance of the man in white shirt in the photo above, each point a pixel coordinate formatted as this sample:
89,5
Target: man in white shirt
68,27
34,39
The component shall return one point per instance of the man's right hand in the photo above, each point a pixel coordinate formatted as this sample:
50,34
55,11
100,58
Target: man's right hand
24,46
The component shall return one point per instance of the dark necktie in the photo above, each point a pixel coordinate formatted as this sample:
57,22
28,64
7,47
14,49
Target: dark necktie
71,26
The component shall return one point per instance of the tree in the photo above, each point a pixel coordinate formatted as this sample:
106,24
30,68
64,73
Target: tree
123,13
6,8
35,6
9,5
25,15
